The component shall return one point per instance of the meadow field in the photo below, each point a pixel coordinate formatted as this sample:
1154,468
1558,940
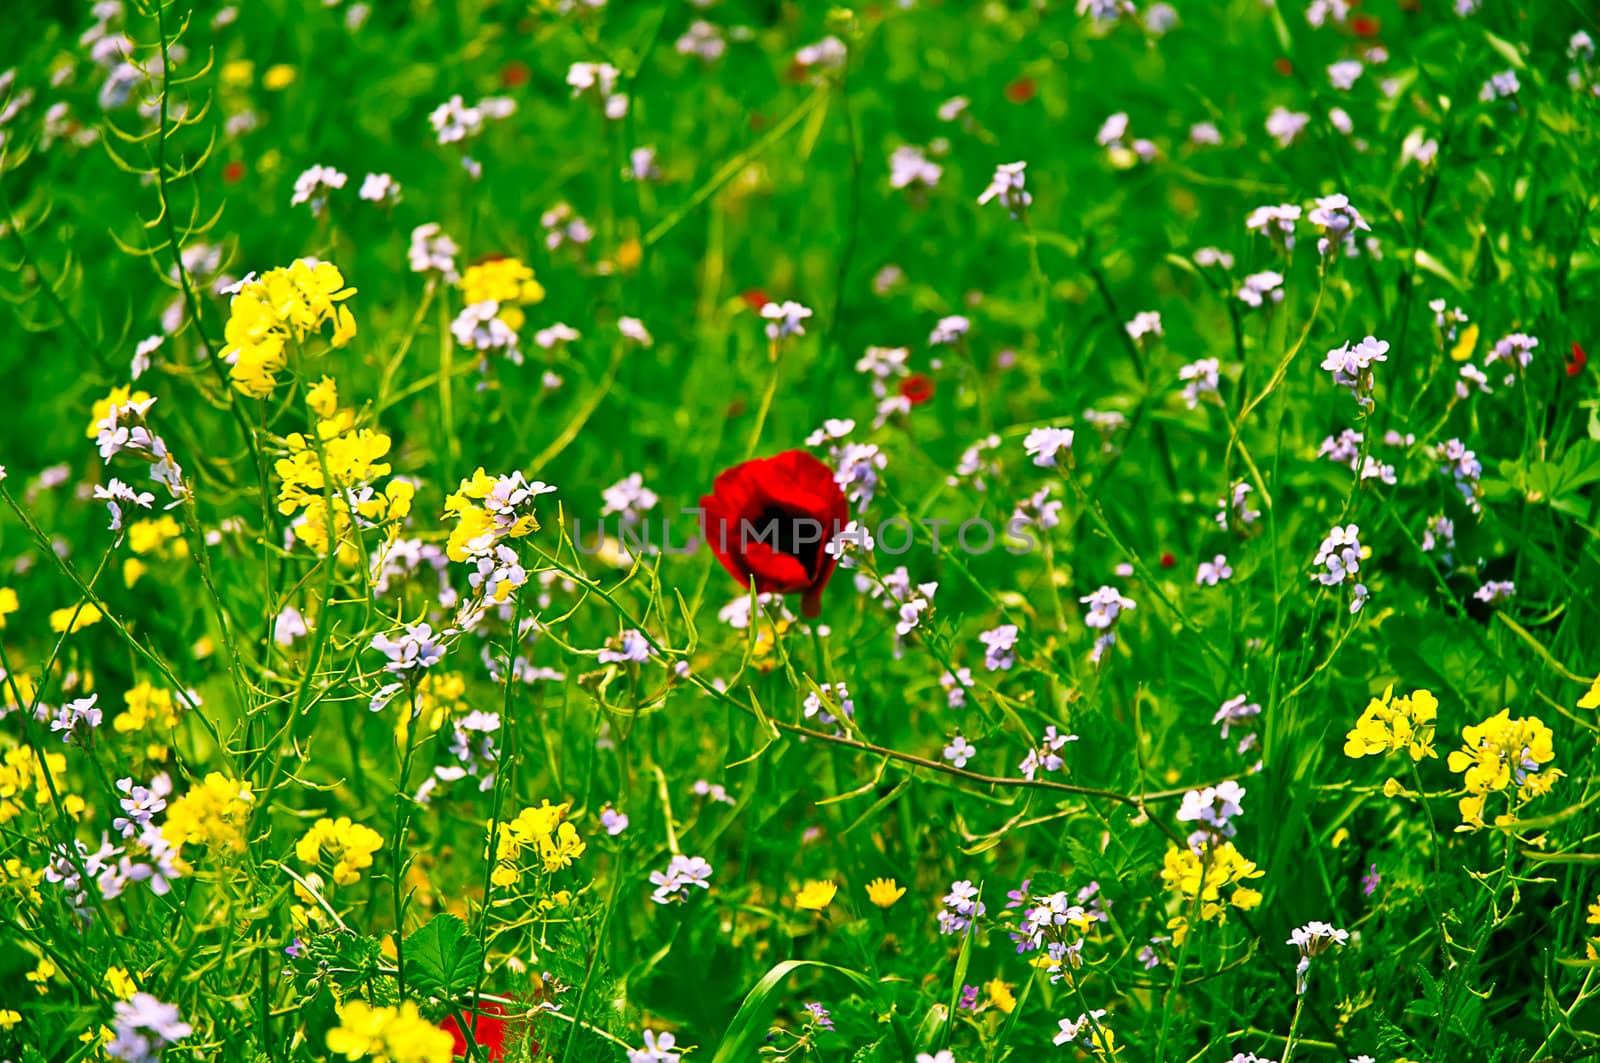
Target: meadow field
913,531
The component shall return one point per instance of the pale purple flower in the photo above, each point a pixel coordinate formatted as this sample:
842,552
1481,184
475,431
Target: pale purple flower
959,751
1000,647
629,646
142,1027
1212,572
1044,444
785,319
1496,592
416,647
1007,186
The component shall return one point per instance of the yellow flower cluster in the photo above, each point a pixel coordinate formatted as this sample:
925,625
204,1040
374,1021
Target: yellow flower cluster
545,831
505,281
1507,755
440,696
283,305
341,460
147,705
486,511
212,814
23,881
1205,875
388,1035
22,776
341,845
160,537
1392,724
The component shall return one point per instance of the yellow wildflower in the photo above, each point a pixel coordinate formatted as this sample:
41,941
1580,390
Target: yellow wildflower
9,1018
147,705
40,976
1000,995
1204,876
1392,724
238,74
284,305
1590,700
541,829
488,510
8,604
1503,754
74,618
342,845
22,880
884,892
20,772
506,281
815,896
121,983
212,814
151,536
278,77
323,397
388,1035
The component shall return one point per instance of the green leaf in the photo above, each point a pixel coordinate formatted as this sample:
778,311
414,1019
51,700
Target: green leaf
748,1029
442,960
1507,50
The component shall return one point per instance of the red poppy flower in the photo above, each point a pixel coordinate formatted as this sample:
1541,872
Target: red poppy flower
1578,360
1168,559
755,298
1021,90
1283,66
488,1031
1365,26
918,387
233,173
768,519
515,74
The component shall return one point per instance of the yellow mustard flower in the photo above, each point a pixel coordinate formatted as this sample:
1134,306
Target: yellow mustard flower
9,1018
238,74
1216,879
73,618
1591,700
1000,995
542,831
8,604
212,814
1391,724
341,845
278,77
1503,754
121,983
40,976
147,705
21,776
506,281
388,1035
283,306
815,895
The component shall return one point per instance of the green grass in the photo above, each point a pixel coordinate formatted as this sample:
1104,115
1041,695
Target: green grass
1465,941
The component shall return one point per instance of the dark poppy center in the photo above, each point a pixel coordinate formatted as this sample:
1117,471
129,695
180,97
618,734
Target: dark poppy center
799,535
